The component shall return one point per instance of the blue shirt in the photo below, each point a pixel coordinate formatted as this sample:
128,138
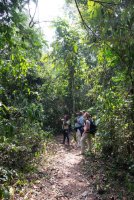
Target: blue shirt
81,121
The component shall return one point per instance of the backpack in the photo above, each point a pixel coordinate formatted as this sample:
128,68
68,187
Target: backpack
93,128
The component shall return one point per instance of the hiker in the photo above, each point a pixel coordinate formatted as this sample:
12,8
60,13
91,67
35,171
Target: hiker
86,133
66,129
81,122
77,129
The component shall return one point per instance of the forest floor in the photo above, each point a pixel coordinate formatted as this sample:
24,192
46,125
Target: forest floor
65,174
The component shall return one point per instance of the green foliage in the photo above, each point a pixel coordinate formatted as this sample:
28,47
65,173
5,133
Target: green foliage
88,69
21,111
70,66
108,52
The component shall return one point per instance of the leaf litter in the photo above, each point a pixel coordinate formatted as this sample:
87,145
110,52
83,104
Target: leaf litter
64,174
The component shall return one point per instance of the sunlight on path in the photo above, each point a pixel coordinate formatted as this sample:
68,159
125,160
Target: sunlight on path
65,177
67,181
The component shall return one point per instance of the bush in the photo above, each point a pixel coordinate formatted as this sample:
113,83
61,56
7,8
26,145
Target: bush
18,153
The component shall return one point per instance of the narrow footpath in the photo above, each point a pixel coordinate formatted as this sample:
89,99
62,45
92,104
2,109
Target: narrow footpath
67,175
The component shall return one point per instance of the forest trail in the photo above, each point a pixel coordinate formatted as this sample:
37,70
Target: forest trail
67,175
67,180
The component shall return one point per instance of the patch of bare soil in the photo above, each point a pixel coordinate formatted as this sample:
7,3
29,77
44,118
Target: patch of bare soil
66,174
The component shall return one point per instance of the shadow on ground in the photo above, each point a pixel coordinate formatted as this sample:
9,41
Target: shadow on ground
65,174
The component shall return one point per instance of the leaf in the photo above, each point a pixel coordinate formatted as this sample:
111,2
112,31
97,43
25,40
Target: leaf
75,48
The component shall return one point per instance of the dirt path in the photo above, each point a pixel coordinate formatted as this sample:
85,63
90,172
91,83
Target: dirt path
67,181
68,175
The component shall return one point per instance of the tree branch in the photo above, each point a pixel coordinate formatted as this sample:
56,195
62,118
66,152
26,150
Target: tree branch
84,23
45,21
31,23
87,27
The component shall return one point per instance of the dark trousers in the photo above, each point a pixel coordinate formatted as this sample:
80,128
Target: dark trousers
81,129
65,136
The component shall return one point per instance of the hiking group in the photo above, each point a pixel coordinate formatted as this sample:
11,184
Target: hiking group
84,130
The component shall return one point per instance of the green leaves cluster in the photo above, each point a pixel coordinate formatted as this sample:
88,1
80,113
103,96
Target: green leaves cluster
21,111
108,53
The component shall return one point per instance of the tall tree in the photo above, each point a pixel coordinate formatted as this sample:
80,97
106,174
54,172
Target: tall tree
109,28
